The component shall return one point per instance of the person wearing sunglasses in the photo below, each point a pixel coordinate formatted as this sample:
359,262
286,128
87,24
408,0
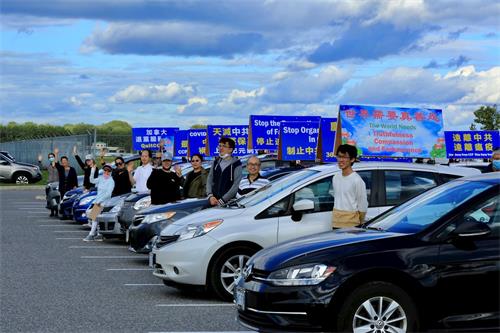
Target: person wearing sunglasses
105,185
195,185
121,178
225,174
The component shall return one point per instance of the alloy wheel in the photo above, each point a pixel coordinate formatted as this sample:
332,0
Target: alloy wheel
231,271
22,180
380,315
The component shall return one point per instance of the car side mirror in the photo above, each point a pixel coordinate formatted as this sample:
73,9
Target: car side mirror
471,228
300,207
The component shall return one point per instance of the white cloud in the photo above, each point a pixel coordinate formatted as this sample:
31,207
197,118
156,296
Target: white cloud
80,99
172,93
192,104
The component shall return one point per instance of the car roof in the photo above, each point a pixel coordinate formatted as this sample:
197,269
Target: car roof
462,171
491,177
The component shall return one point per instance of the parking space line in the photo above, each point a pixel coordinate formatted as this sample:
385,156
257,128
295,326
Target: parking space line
200,332
32,208
129,269
196,305
112,257
142,284
66,238
61,231
93,247
56,225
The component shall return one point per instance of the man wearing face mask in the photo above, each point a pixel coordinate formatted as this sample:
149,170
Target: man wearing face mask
164,182
53,177
495,161
225,174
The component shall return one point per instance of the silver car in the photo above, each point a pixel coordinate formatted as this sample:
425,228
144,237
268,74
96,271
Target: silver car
17,172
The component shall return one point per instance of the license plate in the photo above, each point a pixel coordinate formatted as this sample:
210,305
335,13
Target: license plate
152,259
240,299
127,235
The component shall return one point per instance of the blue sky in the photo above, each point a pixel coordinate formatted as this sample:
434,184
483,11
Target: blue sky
179,63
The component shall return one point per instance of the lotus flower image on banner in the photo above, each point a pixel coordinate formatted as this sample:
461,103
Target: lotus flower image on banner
393,131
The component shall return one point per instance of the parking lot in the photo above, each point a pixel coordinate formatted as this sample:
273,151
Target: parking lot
52,281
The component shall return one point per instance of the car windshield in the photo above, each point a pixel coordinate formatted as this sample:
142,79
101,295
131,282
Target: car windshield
266,192
423,210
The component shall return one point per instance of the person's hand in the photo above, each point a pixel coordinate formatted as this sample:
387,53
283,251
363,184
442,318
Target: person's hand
102,152
213,201
130,167
75,150
39,157
56,151
162,143
177,170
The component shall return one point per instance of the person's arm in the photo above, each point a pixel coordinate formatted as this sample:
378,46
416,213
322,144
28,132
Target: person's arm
80,162
74,178
93,180
361,199
130,169
238,174
210,179
151,182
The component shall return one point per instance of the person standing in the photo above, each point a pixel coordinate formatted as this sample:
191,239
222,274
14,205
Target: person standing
165,183
254,180
195,184
349,191
105,186
86,167
67,175
495,162
225,174
142,173
121,178
53,176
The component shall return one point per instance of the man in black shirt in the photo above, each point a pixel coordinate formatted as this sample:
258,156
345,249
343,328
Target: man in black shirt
165,183
121,178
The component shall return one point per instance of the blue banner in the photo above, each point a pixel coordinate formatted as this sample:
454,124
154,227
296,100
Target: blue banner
265,130
239,133
149,138
393,132
197,142
181,143
299,140
328,130
471,144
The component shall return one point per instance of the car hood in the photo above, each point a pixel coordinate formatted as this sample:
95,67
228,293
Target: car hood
179,205
113,201
134,197
203,216
25,164
283,254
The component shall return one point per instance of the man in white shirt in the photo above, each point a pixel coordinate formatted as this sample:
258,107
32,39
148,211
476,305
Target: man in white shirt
142,173
351,204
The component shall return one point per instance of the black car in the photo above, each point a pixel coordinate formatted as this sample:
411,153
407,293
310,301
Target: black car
431,263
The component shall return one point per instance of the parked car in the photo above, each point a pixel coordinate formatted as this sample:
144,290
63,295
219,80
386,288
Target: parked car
108,218
67,202
17,172
80,205
430,263
210,247
149,222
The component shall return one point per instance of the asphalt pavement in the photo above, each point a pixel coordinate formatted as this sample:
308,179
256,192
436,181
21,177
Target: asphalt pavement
52,281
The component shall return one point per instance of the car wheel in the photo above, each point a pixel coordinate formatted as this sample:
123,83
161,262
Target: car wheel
226,270
21,178
378,307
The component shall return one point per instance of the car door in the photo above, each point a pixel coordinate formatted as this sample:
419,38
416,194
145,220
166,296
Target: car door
5,168
401,185
469,268
320,219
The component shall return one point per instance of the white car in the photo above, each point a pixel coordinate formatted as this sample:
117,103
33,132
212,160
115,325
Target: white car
210,248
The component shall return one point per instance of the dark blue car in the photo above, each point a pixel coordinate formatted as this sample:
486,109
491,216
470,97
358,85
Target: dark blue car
66,204
81,204
430,263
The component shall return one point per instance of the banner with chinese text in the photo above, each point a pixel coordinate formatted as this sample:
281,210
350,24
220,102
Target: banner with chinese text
299,140
239,133
181,143
264,130
149,138
197,142
471,144
328,129
393,131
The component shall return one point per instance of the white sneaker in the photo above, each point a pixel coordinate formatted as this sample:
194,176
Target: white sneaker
89,238
98,238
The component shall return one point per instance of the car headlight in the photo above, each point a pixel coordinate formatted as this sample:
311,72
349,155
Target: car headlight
197,230
152,218
87,200
304,275
117,207
143,203
68,196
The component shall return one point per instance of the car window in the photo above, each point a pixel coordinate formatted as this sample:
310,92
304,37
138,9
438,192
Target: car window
487,211
320,192
447,177
367,178
422,211
401,185
278,209
268,165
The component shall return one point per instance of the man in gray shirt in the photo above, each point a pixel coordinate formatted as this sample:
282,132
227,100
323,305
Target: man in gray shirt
225,174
